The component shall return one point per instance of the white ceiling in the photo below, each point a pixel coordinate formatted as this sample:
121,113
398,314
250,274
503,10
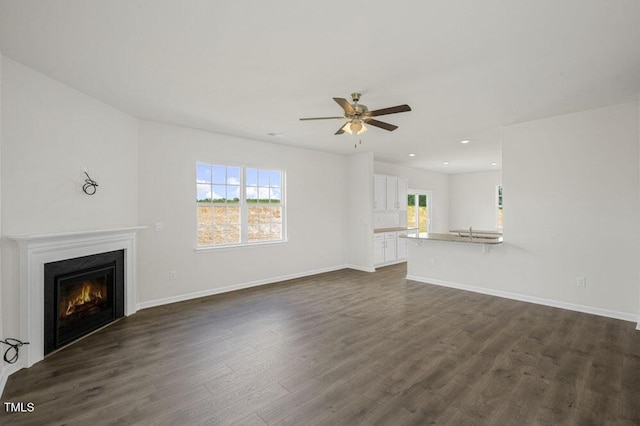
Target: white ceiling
250,67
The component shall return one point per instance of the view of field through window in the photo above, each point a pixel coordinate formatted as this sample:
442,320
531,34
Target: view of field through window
238,205
417,213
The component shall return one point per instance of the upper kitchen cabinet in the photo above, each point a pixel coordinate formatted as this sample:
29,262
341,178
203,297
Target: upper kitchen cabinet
390,193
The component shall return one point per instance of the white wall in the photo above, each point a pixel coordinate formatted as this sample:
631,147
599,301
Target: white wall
360,212
48,132
472,199
437,183
573,207
2,335
316,196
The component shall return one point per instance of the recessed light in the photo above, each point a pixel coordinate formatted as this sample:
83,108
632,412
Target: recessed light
464,141
445,162
412,155
494,164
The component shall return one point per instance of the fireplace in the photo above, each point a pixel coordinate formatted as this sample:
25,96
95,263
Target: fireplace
81,295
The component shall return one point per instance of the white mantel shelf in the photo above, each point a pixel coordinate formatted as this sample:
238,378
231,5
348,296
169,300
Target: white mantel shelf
36,250
74,235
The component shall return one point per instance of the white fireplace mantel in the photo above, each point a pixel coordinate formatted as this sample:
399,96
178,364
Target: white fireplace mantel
38,249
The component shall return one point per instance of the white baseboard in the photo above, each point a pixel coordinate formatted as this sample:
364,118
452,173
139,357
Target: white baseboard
531,299
394,262
3,380
360,268
234,287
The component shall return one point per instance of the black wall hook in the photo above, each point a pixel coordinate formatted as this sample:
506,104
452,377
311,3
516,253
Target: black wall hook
90,186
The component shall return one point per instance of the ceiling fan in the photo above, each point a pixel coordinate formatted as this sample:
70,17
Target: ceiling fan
358,115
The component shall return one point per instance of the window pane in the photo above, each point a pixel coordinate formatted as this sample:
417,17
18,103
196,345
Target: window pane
265,232
205,236
204,193
411,211
275,194
203,173
254,215
219,174
220,234
275,214
252,194
219,193
234,234
233,175
253,233
263,177
263,193
205,215
233,194
252,177
276,231
422,219
233,215
219,215
275,179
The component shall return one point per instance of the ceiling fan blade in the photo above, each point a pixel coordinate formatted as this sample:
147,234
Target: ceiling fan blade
340,130
323,118
381,124
346,106
390,110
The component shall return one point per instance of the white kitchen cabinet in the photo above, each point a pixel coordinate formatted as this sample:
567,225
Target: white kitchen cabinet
392,193
378,249
379,192
403,190
390,246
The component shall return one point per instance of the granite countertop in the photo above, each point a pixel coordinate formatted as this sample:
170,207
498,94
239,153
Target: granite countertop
456,239
393,229
465,232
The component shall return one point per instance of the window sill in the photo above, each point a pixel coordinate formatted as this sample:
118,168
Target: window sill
238,246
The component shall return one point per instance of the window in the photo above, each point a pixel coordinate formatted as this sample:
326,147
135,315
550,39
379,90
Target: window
418,203
238,205
499,206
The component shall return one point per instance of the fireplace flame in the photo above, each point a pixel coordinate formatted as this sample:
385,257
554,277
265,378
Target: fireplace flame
87,294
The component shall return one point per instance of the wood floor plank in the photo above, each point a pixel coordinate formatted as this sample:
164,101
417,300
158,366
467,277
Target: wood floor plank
343,347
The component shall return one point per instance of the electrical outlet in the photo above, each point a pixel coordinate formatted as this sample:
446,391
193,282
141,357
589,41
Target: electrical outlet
173,275
581,281
158,226
434,261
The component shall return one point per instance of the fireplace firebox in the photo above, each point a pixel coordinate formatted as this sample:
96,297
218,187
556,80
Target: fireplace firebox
81,295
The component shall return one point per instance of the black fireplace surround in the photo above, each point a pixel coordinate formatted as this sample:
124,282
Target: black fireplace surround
81,295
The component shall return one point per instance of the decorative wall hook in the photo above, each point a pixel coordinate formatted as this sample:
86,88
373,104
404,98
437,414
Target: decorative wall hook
90,186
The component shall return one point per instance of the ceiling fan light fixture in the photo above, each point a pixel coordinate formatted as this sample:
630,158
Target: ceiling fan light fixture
354,127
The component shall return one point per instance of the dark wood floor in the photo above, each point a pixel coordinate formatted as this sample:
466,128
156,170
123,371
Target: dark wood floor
342,348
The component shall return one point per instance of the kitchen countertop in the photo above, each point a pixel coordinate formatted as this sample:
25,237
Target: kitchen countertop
454,238
393,229
465,232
